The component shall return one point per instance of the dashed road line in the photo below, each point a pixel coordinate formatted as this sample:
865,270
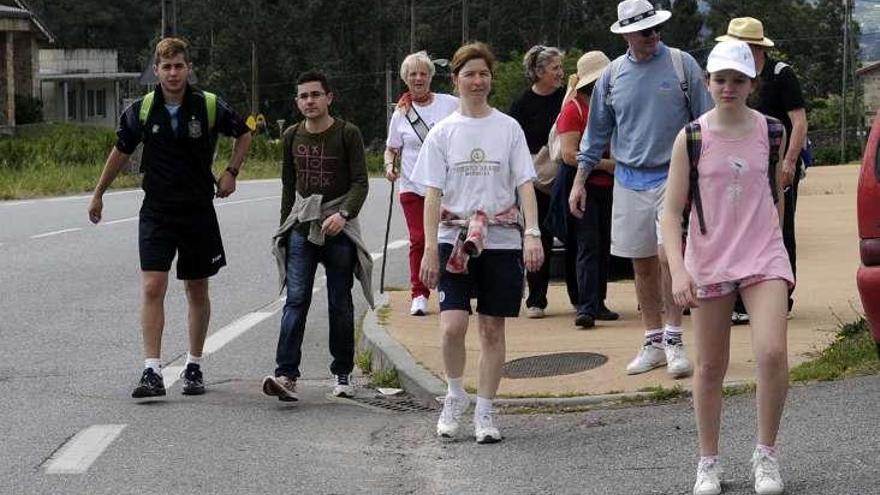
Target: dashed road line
78,453
56,232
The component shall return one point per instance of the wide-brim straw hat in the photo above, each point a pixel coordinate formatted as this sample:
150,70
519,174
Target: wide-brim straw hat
589,67
746,29
635,15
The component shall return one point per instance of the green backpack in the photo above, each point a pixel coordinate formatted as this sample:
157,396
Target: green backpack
210,103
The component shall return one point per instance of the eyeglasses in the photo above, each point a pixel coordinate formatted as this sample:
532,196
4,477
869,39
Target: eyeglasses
313,95
650,31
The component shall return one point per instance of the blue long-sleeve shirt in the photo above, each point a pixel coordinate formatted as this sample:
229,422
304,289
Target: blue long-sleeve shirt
647,111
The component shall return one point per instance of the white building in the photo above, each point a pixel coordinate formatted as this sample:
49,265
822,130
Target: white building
83,85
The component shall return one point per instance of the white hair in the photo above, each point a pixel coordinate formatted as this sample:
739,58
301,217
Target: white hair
413,60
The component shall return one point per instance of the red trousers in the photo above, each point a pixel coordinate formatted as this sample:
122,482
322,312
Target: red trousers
414,211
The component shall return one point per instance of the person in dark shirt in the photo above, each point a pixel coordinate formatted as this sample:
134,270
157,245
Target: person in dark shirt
178,126
779,95
536,110
324,184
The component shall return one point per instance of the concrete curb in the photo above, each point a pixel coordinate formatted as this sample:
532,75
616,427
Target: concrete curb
388,353
424,386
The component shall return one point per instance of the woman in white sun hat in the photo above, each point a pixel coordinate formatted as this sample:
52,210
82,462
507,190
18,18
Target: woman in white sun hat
734,245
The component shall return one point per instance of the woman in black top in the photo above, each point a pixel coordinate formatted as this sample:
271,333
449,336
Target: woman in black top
536,110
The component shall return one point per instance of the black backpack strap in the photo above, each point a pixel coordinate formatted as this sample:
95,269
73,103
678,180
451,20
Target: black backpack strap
694,145
775,131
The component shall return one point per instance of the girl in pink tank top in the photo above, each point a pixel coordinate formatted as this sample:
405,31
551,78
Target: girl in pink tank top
734,245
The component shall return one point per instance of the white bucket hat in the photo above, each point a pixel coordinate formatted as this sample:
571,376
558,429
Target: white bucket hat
732,54
635,15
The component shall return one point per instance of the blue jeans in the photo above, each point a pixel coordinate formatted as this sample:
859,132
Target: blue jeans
338,255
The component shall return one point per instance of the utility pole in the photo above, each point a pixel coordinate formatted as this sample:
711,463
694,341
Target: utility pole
843,82
464,22
388,101
255,97
169,17
412,26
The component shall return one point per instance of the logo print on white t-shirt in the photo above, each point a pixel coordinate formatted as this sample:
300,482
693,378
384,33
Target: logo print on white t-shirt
477,155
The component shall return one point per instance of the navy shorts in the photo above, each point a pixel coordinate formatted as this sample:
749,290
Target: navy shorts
191,232
495,278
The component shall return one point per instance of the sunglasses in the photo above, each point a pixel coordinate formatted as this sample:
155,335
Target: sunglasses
650,31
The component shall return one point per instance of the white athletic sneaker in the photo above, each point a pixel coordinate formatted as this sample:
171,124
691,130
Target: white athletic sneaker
649,357
485,430
343,387
419,306
534,312
453,407
708,478
765,469
677,363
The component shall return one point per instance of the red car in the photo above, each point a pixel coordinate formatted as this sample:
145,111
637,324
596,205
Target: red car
868,277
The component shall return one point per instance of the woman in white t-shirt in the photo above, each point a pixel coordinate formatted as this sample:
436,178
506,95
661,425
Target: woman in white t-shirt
417,111
477,171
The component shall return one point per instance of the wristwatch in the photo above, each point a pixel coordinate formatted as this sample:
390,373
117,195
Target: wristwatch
345,214
533,232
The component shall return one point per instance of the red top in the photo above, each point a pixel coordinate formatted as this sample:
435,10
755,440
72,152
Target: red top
572,120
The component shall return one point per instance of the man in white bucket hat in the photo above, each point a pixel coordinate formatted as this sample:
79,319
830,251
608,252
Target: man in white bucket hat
779,95
639,104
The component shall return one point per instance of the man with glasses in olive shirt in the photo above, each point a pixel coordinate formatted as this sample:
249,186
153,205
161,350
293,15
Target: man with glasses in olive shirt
324,181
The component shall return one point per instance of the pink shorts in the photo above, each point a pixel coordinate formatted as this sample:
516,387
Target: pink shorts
724,288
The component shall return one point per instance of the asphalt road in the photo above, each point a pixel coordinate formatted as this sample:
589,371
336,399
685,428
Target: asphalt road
71,353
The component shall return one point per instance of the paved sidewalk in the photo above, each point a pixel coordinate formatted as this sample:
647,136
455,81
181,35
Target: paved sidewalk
827,261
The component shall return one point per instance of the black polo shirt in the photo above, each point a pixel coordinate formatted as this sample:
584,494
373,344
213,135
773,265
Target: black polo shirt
177,164
778,94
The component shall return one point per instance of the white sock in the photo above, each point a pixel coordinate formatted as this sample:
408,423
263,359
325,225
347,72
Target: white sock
455,386
155,364
654,337
708,459
766,449
484,406
672,333
194,359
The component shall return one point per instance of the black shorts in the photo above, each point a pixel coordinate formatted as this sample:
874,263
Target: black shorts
192,232
495,278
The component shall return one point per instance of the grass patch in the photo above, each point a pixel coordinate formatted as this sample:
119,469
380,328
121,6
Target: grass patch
739,389
364,361
853,353
58,159
383,314
658,393
385,378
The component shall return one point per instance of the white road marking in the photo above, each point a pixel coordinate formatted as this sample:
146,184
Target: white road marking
121,220
398,244
170,375
227,334
78,453
251,200
391,247
56,232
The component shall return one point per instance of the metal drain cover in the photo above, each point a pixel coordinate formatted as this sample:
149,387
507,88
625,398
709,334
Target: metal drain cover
405,405
564,363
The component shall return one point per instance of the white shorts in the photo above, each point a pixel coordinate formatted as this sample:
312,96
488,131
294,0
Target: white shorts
635,221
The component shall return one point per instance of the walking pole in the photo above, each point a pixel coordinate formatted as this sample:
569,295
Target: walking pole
385,246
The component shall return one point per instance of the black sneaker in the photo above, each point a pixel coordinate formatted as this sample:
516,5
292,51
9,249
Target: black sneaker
151,385
605,314
585,321
193,383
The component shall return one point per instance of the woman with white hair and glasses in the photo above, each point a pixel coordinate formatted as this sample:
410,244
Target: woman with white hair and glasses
536,110
417,111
